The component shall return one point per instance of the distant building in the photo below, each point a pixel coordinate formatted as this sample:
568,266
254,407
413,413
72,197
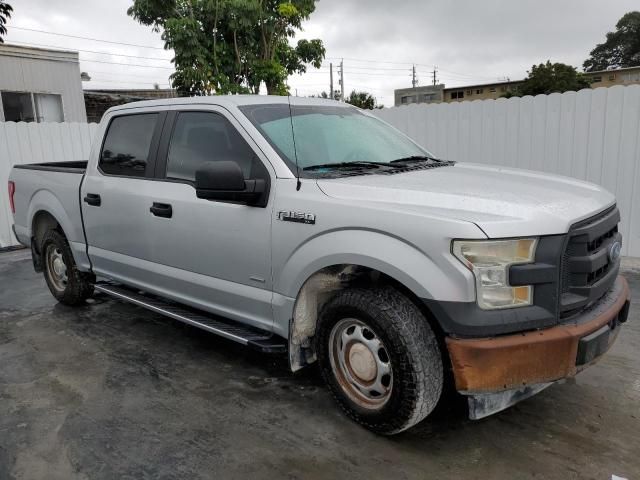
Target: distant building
425,94
99,101
40,85
610,78
484,91
487,91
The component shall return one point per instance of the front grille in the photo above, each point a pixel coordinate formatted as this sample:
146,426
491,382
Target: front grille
587,271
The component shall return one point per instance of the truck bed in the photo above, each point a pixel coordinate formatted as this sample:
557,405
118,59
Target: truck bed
53,188
78,166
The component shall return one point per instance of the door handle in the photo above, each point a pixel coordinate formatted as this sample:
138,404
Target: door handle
161,210
93,199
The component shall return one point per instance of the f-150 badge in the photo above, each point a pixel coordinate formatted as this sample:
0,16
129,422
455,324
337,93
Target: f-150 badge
298,217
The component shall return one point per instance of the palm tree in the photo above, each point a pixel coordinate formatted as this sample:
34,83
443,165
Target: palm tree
5,13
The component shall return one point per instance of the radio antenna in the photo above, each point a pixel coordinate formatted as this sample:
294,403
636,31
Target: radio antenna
295,150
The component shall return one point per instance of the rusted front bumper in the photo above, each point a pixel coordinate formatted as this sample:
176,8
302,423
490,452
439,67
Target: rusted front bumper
492,365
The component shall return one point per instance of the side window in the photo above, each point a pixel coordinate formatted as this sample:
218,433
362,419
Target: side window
200,137
127,144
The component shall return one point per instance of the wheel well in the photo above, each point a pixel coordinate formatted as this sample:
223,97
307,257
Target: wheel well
319,288
43,221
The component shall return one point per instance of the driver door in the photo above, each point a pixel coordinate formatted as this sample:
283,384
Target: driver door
213,255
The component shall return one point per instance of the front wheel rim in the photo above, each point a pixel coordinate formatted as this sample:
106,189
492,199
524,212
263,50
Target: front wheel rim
56,268
361,363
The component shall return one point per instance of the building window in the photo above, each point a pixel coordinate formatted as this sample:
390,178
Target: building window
492,89
457,95
32,107
48,107
479,91
17,107
631,78
428,97
597,79
612,77
469,92
403,100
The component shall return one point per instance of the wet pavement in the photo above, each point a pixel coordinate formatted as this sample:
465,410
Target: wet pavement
110,390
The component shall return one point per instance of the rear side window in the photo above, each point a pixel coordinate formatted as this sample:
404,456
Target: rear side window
127,145
201,137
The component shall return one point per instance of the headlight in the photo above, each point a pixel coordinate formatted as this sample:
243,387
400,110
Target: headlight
489,260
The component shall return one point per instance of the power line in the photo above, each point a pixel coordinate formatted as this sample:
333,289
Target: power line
85,38
136,82
126,64
126,74
90,51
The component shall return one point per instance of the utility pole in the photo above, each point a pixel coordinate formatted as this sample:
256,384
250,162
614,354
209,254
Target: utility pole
331,81
342,80
414,80
435,71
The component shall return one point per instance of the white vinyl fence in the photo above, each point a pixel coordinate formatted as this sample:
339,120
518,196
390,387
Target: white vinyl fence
37,143
591,135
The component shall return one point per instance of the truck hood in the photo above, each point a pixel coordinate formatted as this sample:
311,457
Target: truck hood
503,202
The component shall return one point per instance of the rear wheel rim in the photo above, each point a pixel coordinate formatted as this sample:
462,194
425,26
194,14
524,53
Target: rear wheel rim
361,363
56,268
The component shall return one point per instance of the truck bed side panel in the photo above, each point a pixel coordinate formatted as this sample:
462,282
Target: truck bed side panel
54,192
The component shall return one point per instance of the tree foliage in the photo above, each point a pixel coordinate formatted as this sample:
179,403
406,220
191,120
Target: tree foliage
621,48
5,13
361,100
547,78
231,46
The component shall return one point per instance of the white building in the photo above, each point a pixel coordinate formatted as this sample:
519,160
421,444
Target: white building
39,85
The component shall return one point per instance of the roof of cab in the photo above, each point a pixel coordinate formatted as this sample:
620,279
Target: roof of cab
230,101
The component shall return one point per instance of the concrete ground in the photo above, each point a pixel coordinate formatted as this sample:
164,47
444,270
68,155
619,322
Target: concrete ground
113,391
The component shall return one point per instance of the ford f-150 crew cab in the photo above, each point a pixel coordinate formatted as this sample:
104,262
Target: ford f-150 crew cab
311,227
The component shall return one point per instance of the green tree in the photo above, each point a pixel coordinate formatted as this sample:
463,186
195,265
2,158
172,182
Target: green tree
232,46
361,100
621,48
5,13
547,78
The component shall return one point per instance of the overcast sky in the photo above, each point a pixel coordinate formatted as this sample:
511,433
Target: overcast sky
469,41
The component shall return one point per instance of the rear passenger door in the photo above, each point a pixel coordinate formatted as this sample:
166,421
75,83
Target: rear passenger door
115,197
215,255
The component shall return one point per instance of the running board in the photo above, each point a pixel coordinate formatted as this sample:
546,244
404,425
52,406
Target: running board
254,338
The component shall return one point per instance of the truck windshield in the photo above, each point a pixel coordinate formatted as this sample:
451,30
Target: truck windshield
329,138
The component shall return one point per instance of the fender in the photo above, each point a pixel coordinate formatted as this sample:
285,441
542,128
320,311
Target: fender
439,278
45,201
297,288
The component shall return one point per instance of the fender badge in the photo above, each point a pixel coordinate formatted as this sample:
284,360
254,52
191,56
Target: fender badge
297,217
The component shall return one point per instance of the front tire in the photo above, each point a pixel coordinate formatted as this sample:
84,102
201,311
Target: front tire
379,358
66,283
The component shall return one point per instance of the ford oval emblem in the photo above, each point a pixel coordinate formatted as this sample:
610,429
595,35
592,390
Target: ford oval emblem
614,251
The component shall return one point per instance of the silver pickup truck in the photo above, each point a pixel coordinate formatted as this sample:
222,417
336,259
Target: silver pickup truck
313,228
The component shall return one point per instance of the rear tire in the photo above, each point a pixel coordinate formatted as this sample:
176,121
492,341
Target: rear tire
379,358
66,283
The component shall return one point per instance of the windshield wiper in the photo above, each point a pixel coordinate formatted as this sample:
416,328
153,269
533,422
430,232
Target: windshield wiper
415,158
356,165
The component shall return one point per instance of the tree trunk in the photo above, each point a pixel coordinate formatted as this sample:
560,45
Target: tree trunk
271,88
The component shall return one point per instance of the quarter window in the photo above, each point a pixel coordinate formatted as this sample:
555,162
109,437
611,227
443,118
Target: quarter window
201,137
127,145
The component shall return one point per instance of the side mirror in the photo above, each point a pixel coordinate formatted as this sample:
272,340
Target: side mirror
224,180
